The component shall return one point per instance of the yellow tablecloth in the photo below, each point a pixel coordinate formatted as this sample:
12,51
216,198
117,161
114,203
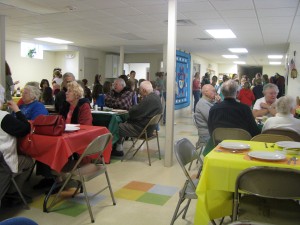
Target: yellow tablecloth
217,181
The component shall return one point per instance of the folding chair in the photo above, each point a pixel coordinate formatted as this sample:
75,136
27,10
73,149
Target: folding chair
290,133
271,138
185,153
220,134
200,144
8,177
270,194
145,137
82,172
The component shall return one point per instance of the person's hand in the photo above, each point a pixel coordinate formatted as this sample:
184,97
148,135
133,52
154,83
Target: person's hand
11,104
16,82
218,98
264,105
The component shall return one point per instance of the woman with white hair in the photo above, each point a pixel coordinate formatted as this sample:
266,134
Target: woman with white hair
76,109
31,106
284,118
11,128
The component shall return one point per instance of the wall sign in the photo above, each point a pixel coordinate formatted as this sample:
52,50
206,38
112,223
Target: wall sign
182,91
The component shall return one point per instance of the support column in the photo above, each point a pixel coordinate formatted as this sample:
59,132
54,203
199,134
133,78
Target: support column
121,63
2,51
171,65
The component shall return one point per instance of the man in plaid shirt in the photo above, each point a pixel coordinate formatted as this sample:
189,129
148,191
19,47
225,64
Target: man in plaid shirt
120,97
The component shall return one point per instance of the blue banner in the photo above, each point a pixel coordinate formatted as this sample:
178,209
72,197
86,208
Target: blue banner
182,91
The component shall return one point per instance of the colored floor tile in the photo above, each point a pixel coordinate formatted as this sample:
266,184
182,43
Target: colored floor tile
69,208
136,185
128,194
93,200
152,198
163,190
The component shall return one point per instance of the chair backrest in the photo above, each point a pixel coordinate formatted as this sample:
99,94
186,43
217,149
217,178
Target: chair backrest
290,133
97,146
220,134
185,153
152,123
271,138
270,182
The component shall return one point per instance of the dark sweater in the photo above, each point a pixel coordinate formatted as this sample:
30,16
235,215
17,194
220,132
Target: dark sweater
232,114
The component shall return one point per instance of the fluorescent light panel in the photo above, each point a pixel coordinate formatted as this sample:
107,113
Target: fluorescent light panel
230,56
238,50
275,63
221,33
54,40
275,56
239,62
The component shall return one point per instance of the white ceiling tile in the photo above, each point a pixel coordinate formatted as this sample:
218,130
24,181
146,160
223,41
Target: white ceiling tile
267,4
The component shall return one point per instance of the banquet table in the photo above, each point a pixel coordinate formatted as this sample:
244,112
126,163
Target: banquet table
110,120
55,151
220,169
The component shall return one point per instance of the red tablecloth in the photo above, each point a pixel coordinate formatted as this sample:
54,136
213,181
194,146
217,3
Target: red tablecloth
54,151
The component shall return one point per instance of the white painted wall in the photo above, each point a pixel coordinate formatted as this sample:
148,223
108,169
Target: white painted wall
227,68
271,70
29,69
293,88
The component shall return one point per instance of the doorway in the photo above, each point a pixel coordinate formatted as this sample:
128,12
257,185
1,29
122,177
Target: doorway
141,69
250,71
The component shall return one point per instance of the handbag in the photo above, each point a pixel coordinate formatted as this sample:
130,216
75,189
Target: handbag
52,125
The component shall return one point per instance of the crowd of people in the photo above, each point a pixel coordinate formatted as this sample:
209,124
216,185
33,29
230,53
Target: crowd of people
241,103
73,100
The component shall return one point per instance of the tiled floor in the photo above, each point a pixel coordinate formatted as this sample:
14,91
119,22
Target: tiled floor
144,194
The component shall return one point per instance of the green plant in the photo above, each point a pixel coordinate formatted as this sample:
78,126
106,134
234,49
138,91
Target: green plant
31,53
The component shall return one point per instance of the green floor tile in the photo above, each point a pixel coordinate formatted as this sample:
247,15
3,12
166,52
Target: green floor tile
154,199
69,208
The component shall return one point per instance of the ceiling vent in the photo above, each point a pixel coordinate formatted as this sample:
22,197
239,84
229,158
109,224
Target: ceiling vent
205,39
183,23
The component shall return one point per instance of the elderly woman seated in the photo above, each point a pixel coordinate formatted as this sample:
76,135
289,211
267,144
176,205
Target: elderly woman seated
76,109
31,107
265,106
284,119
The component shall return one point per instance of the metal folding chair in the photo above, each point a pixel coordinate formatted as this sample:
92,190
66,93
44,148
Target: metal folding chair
185,153
82,172
271,138
145,137
290,133
220,134
268,195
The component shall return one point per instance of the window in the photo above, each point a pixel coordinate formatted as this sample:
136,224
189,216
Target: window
31,50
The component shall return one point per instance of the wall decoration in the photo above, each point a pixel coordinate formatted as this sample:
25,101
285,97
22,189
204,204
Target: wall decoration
182,95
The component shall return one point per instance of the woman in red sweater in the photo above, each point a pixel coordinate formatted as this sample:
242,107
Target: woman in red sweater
246,95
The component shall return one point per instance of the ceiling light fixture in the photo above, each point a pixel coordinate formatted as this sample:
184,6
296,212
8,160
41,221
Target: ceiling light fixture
238,50
275,63
275,56
239,62
221,33
54,40
230,56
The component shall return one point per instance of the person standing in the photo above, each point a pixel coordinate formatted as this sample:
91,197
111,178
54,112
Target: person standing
196,89
9,88
246,95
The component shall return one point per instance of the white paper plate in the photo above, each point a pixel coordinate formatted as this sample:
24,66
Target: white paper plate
72,127
288,144
270,156
234,145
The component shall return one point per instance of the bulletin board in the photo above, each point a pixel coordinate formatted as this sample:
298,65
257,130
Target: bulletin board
182,91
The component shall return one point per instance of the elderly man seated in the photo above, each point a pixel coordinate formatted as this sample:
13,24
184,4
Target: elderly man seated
230,113
284,118
139,115
265,106
119,97
209,96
